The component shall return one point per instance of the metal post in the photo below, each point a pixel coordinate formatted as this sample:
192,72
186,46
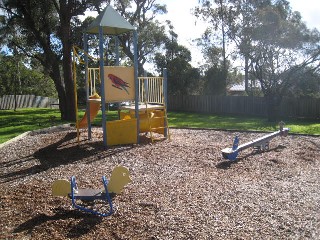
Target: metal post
135,56
85,40
165,97
117,50
103,97
117,64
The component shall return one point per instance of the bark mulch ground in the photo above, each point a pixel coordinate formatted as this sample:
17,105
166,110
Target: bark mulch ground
180,189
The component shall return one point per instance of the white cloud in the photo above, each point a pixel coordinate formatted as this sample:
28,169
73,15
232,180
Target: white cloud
309,10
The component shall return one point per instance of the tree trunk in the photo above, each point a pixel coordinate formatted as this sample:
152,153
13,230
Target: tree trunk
224,59
67,106
55,75
246,74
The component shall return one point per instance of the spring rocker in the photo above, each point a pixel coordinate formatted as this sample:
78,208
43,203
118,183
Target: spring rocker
119,178
260,144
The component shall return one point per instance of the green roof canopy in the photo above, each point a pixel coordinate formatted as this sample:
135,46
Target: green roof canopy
112,23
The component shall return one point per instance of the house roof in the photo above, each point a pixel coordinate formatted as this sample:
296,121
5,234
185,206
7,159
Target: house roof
112,23
237,88
240,87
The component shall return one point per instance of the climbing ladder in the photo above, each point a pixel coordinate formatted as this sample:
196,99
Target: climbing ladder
152,95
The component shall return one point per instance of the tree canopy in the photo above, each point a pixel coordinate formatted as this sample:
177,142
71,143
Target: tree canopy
16,78
277,48
272,39
46,31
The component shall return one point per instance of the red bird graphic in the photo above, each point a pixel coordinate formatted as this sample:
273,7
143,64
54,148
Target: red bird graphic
118,82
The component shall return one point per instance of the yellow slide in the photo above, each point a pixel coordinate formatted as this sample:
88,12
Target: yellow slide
94,102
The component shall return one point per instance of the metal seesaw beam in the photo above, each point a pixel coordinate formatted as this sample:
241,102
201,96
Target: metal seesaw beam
232,153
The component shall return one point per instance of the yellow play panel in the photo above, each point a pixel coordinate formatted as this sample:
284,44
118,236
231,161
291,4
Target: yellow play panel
155,120
122,132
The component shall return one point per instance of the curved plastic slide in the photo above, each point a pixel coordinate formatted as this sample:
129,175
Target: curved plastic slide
94,102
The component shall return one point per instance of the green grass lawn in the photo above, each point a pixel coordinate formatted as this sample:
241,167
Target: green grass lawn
14,123
241,123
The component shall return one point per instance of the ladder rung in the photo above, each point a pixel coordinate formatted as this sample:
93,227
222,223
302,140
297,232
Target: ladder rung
159,117
158,128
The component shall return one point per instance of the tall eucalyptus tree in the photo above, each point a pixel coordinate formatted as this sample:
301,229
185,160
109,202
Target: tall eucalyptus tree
273,40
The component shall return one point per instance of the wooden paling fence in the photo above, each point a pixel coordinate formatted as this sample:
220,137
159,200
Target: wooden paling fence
27,101
254,106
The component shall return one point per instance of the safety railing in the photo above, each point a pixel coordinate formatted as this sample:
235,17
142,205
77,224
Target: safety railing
93,79
151,90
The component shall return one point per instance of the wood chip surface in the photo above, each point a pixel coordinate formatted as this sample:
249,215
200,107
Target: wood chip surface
180,189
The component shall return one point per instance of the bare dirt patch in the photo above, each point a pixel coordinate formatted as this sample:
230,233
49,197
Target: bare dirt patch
181,189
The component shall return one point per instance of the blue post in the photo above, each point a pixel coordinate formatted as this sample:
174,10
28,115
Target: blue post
103,97
117,50
165,97
117,63
85,40
135,57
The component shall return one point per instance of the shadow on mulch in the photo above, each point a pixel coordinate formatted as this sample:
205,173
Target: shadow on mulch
85,225
228,163
62,152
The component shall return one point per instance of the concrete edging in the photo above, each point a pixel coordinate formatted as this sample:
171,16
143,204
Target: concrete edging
38,131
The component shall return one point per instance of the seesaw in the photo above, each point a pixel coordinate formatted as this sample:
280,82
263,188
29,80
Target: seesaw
261,143
119,178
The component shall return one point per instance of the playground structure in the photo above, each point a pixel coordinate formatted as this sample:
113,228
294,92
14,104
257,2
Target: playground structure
147,111
260,144
119,178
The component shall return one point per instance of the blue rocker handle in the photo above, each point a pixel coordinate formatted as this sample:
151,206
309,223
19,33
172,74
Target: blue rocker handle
235,143
105,196
233,155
